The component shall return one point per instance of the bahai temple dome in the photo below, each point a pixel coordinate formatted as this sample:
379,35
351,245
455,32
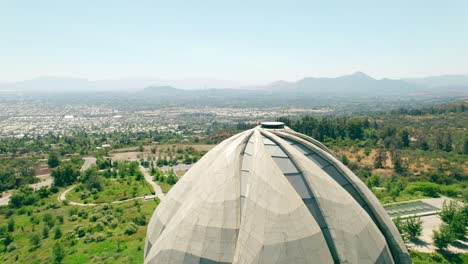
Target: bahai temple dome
272,195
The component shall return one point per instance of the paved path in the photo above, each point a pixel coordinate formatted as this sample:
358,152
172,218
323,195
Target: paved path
62,197
157,189
5,198
432,222
89,161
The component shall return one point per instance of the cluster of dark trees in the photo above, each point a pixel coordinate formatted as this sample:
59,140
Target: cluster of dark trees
158,175
457,107
16,172
376,132
27,196
66,173
114,169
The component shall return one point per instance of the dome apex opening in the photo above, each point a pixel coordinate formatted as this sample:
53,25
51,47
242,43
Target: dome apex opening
272,125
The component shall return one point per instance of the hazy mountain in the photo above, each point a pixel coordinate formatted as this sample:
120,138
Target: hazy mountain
442,80
358,84
60,84
162,91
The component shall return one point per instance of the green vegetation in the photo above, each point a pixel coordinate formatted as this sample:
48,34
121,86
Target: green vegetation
109,233
438,258
106,185
164,179
174,155
409,228
402,155
454,226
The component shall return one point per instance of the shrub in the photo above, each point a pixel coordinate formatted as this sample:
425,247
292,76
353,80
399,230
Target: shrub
426,188
45,231
83,214
58,253
450,191
99,237
459,225
57,232
157,200
448,211
59,219
35,240
140,220
11,225
131,229
48,219
443,237
80,231
88,239
413,227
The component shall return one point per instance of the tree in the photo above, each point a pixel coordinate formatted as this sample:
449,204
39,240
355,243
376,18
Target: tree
35,240
398,166
48,219
45,231
355,130
439,140
465,146
443,237
373,181
413,227
405,138
131,228
456,217
92,180
380,158
7,240
171,179
422,142
53,160
449,210
57,232
65,175
459,225
448,142
344,159
11,225
399,224
58,253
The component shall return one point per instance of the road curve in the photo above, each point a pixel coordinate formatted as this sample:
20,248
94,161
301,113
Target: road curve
62,197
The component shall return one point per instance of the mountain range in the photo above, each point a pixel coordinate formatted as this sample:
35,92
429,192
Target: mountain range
358,83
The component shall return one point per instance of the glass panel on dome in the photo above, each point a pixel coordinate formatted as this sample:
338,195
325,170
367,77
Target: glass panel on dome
275,151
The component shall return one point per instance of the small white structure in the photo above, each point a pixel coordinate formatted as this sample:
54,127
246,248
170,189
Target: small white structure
271,195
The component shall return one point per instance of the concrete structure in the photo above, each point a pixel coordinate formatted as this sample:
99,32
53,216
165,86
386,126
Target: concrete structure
271,195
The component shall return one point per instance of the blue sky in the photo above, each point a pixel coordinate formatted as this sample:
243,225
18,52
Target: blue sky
245,41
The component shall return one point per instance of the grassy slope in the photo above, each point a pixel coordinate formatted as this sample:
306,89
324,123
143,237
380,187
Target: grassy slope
113,190
106,251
